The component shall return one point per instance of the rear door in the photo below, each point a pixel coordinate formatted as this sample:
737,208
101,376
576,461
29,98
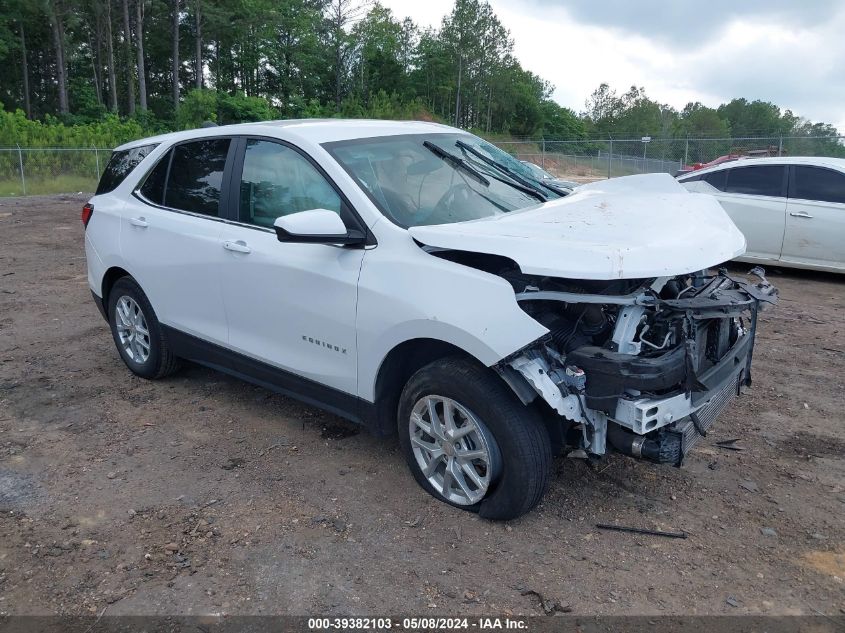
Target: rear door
292,306
815,222
755,199
170,238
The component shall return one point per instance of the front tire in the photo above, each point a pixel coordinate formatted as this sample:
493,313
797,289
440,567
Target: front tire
471,443
137,333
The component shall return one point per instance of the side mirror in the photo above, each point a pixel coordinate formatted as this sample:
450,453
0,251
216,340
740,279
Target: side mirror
317,226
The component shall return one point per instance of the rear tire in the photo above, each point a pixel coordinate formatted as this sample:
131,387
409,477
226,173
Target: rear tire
137,333
509,445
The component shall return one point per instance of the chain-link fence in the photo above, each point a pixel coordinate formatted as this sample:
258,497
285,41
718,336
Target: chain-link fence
31,171
28,171
586,160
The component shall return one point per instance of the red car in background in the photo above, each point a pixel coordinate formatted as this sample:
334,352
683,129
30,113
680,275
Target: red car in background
753,153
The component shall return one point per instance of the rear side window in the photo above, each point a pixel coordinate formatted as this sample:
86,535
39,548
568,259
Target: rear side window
153,187
816,183
120,165
764,180
196,176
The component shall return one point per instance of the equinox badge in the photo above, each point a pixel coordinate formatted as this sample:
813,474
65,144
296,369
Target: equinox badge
309,339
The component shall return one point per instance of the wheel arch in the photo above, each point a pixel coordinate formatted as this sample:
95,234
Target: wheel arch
109,279
397,367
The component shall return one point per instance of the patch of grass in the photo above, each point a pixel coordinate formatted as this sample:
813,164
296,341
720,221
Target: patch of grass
47,186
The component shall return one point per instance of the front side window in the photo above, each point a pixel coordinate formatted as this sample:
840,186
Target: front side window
716,179
764,180
195,177
277,181
816,183
416,180
120,165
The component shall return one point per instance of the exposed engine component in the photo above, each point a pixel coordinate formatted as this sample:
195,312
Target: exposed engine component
664,448
634,362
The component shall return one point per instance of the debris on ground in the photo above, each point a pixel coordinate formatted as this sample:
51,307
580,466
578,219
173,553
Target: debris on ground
548,605
750,486
622,528
234,462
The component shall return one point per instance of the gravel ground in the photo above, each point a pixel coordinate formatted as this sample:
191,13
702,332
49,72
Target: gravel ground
203,494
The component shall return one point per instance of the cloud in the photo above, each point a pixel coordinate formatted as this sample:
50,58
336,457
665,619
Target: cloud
689,23
800,69
787,52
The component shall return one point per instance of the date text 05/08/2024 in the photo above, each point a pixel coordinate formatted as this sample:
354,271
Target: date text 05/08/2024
421,623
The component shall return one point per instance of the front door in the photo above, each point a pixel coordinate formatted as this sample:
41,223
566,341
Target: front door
290,306
815,221
755,199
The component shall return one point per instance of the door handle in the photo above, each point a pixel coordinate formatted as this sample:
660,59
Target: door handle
238,247
800,214
139,222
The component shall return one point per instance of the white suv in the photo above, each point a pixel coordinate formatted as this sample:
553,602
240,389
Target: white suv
416,279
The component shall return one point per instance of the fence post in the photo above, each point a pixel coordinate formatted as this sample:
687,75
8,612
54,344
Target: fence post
20,162
543,159
97,156
780,146
610,158
686,154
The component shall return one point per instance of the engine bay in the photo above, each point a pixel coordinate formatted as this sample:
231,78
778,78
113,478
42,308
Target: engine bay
636,360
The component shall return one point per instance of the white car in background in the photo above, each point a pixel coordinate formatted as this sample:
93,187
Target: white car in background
791,210
416,279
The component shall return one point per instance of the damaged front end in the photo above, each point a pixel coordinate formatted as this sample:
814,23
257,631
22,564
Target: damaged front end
643,365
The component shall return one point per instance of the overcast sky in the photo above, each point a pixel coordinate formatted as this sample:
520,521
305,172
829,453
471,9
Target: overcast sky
789,52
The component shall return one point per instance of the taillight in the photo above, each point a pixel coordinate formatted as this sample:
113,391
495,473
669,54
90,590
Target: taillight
87,212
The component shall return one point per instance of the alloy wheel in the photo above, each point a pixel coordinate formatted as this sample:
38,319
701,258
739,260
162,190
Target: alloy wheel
454,449
132,330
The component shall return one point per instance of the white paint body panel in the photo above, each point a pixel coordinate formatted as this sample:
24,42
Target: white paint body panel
102,242
314,222
293,305
817,240
177,259
404,294
762,219
631,227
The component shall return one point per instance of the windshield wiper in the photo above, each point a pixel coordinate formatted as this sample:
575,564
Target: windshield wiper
521,183
456,161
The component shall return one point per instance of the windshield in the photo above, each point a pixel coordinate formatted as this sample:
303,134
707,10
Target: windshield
537,171
422,179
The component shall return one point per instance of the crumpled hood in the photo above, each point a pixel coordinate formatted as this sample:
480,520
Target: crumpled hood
622,228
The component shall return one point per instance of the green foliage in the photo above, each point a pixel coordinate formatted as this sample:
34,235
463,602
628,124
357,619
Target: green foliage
378,65
204,105
198,107
632,115
385,106
240,108
755,118
699,121
268,59
559,122
108,132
